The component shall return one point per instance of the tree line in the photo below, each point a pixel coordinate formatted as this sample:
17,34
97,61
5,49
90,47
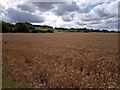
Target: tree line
85,30
29,28
24,28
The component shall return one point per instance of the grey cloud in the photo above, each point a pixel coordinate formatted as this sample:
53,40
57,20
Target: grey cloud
41,6
65,8
45,6
60,11
71,7
80,23
27,7
17,16
111,21
84,10
67,18
104,14
90,17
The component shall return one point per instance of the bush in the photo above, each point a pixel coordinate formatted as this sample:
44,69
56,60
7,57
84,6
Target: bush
22,27
105,31
86,31
34,31
113,31
50,31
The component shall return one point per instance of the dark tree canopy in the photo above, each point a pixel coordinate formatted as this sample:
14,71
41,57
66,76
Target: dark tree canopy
5,27
22,27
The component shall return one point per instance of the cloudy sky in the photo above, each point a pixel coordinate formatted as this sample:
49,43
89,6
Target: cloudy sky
96,14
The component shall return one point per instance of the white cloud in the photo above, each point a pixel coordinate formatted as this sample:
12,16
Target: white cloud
100,14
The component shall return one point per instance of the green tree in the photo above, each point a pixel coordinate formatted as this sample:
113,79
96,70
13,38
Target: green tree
4,27
22,27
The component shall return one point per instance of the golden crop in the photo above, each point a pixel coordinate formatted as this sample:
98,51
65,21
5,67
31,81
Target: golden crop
60,60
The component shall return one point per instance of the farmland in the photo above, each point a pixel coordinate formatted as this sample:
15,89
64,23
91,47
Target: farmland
62,60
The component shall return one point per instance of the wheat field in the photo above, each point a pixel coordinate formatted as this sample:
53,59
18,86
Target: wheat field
60,60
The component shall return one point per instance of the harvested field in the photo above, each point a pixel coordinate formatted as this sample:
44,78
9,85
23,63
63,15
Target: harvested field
61,60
